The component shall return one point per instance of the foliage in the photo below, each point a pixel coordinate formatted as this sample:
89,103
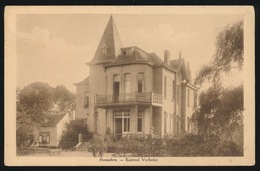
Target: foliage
220,110
64,99
24,130
202,145
69,137
229,54
179,145
34,102
97,145
141,146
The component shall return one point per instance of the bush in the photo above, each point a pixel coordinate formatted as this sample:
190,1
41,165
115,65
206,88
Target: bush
202,145
24,130
97,145
140,146
69,137
180,145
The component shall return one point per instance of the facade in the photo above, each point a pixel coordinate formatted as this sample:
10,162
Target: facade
135,92
51,129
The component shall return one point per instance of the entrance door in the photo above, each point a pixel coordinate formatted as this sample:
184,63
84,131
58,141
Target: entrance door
118,129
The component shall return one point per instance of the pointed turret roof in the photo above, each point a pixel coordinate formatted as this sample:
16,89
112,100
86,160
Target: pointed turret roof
109,45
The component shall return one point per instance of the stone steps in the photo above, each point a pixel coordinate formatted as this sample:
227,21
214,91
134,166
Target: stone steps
82,147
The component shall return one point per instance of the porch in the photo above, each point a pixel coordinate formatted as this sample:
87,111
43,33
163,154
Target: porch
134,120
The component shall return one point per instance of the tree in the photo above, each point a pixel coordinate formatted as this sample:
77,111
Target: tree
24,129
229,54
64,99
221,109
34,102
69,137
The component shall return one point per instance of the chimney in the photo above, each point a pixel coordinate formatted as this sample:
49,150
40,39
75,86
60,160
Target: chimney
189,72
180,55
167,57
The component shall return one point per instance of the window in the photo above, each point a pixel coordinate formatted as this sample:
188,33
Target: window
188,98
171,123
126,124
188,124
165,122
104,50
165,87
140,82
116,88
178,92
44,137
140,121
127,83
124,121
86,100
178,124
129,52
173,90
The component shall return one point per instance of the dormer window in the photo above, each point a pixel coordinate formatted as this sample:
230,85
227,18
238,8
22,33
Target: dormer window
104,50
127,52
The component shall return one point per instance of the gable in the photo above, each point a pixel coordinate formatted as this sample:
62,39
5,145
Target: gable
51,120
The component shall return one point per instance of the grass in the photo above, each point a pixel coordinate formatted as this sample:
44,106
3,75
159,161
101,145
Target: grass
44,152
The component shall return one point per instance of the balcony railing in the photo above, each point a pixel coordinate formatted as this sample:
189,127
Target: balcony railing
157,98
129,97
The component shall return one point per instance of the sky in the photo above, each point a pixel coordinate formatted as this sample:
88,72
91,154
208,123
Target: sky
54,48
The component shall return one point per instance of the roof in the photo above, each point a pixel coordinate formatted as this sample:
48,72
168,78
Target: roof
51,120
176,63
110,41
155,59
83,82
135,55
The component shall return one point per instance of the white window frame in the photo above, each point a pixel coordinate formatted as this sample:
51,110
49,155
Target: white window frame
123,115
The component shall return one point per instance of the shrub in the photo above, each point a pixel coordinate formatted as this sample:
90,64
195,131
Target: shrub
97,145
24,130
202,145
69,137
140,146
179,145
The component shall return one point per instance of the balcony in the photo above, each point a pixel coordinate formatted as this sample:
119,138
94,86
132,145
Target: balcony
128,98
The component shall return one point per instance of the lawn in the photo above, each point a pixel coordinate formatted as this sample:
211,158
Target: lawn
41,152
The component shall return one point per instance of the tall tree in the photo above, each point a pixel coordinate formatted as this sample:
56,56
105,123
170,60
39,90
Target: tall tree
221,109
229,54
35,100
64,99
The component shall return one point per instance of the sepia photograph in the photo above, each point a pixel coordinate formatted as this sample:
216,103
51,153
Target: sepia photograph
117,85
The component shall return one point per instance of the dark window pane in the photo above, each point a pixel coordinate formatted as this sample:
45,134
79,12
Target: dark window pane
139,125
126,124
140,86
